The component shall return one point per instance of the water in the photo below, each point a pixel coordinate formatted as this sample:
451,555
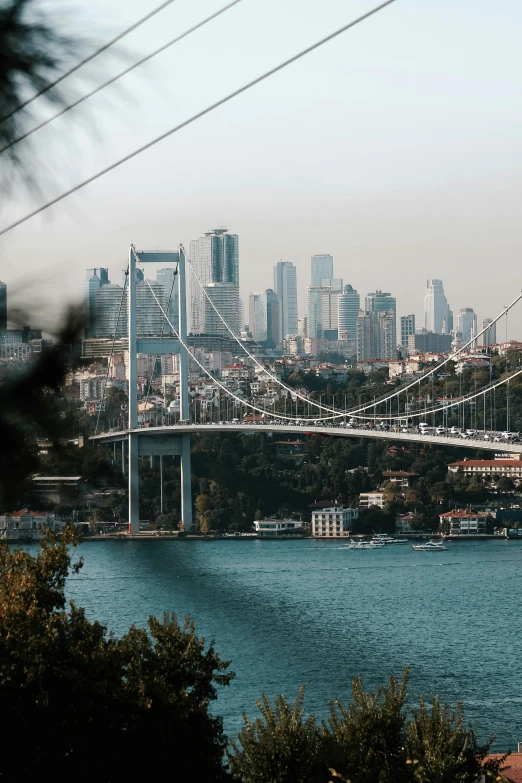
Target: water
313,612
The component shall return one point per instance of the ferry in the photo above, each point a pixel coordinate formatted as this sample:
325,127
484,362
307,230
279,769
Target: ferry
386,539
366,545
429,546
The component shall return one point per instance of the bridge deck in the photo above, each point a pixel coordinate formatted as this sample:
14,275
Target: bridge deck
336,432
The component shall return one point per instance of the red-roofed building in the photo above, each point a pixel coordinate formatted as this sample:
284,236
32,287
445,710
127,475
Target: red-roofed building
512,767
25,525
489,468
464,522
289,448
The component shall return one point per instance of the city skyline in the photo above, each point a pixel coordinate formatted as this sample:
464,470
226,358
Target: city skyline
391,207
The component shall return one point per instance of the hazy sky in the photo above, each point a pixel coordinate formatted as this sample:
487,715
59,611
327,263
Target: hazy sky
396,148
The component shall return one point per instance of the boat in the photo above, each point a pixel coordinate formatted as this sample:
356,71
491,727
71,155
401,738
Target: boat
429,546
366,545
386,539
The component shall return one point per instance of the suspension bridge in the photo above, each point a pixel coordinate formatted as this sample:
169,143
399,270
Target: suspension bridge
391,416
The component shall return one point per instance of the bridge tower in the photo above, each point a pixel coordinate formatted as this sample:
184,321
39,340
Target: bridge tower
177,445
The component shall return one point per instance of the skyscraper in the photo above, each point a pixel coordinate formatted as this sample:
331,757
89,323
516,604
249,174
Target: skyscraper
168,279
437,315
365,337
108,303
215,259
90,287
407,328
489,337
387,336
264,317
323,308
380,302
321,269
225,298
285,286
150,321
257,317
466,324
349,306
3,305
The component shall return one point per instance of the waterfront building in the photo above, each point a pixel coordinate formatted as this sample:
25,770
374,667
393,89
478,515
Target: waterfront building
463,522
271,528
333,522
349,304
489,337
108,304
466,324
215,259
407,328
367,499
429,342
321,269
437,315
285,286
25,525
225,298
3,305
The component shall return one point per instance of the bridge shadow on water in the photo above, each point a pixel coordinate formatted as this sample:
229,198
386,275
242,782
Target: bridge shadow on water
257,599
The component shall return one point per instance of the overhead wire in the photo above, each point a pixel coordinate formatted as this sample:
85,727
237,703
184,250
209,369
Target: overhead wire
119,75
230,96
88,59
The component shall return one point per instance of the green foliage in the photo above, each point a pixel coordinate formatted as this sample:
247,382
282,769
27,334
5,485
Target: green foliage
366,741
441,750
370,741
81,704
281,746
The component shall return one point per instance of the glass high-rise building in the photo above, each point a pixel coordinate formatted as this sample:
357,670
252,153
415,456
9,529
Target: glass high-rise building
168,279
323,308
349,306
285,286
3,305
489,337
215,259
380,302
108,303
321,269
407,328
94,280
466,324
438,317
225,298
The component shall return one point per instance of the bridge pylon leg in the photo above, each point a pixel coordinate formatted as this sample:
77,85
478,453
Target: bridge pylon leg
186,485
134,491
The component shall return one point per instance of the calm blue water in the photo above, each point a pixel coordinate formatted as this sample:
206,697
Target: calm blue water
311,612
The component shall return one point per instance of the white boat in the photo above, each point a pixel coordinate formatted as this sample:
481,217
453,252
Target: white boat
429,546
386,539
366,545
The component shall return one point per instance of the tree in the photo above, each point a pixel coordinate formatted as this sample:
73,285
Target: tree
96,707
281,746
441,750
366,740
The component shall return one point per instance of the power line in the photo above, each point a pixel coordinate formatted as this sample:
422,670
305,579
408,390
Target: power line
119,75
87,60
194,117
